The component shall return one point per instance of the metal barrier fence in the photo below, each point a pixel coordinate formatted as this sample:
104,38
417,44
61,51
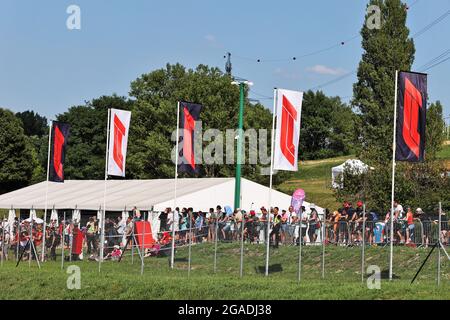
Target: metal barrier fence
338,233
307,233
421,234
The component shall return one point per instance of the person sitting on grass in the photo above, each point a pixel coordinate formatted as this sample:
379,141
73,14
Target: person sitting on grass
115,254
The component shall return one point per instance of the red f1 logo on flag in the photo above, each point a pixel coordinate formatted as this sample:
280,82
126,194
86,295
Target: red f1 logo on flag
57,153
288,119
119,134
189,126
413,101
287,112
118,141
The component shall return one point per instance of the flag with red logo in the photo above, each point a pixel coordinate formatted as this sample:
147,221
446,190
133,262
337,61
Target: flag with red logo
58,142
287,133
189,114
411,117
118,141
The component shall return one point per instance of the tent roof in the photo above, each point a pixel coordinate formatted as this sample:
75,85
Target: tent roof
353,163
199,193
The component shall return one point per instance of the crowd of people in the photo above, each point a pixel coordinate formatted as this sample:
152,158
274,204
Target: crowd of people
347,226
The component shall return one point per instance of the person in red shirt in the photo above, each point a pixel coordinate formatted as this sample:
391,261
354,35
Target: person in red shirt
37,240
410,228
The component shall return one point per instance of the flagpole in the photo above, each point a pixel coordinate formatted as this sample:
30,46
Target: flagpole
46,191
172,254
102,232
275,95
393,178
363,247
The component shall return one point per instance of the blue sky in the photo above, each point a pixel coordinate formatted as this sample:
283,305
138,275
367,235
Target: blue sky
48,68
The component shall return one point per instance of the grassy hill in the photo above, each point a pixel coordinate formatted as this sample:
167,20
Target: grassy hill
342,276
315,178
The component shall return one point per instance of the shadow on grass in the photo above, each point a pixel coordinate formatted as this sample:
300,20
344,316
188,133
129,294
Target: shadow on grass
272,269
181,259
385,275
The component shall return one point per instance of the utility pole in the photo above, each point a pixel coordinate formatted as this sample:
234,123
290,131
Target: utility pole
240,137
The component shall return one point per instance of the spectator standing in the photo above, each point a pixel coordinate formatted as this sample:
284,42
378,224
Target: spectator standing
303,220
91,230
275,233
199,223
410,229
55,240
163,220
285,220
173,220
211,220
120,227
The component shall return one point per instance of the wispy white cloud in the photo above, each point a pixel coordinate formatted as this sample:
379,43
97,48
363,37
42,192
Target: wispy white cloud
321,69
287,74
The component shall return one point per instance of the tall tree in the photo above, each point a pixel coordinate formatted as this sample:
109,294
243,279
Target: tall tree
17,157
435,130
33,123
385,50
154,117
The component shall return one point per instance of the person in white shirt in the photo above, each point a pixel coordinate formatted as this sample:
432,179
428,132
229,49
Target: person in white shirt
398,210
120,227
170,219
399,226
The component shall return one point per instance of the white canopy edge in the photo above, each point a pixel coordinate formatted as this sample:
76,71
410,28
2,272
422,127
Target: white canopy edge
199,193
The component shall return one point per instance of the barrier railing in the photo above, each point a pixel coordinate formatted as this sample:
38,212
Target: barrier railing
421,234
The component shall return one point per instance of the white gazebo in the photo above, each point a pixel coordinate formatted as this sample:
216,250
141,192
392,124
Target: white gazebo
354,165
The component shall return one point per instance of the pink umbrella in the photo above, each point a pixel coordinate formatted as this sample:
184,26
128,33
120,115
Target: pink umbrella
297,199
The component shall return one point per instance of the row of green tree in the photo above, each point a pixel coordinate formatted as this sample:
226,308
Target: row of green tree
327,128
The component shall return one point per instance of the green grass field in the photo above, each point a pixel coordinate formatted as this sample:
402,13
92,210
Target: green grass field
342,277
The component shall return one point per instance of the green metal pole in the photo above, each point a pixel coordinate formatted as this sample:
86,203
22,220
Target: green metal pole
237,185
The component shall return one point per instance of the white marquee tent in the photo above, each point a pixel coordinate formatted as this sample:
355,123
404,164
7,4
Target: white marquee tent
199,193
356,166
